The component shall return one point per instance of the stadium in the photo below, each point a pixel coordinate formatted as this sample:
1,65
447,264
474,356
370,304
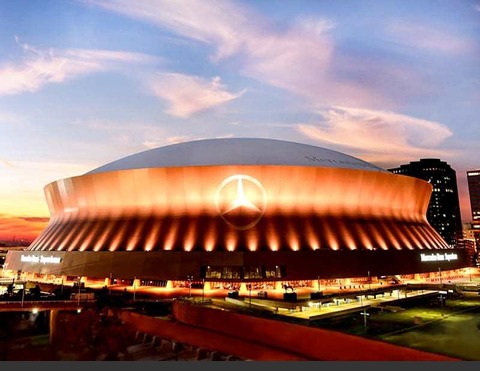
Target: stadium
232,211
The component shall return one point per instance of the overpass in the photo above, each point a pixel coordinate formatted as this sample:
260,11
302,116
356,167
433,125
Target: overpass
30,305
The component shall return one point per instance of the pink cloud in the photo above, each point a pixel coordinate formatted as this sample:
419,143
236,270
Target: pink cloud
21,228
188,95
298,60
178,139
428,38
379,136
221,24
41,67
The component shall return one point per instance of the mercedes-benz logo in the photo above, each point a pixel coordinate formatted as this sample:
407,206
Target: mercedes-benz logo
241,201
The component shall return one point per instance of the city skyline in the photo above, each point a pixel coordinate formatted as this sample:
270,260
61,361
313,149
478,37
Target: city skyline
83,83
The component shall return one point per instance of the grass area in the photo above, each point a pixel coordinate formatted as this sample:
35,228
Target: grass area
451,328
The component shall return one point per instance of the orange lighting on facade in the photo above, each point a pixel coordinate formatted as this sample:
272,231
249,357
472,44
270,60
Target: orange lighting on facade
171,236
189,239
272,239
117,239
231,242
225,207
210,239
252,241
294,245
246,209
152,237
132,244
232,207
101,240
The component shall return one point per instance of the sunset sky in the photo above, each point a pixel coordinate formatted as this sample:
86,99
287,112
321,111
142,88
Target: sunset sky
83,83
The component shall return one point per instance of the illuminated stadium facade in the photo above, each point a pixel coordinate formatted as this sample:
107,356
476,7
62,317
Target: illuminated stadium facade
237,210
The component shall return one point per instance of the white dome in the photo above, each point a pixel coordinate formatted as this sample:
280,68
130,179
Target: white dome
237,151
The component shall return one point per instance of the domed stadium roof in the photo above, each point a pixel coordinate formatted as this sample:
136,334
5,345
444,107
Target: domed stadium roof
237,151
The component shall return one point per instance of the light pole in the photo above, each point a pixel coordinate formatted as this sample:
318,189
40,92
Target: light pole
440,274
318,279
203,290
23,294
368,280
250,293
365,314
110,284
79,290
134,286
190,279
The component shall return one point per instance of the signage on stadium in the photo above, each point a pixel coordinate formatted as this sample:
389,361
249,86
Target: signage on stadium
438,257
241,201
41,259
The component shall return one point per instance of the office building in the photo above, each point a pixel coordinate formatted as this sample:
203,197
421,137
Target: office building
443,211
473,178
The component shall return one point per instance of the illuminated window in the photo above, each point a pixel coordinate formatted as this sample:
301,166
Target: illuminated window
253,273
274,272
221,272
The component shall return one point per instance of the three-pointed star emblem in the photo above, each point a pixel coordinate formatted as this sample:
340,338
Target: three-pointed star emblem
241,201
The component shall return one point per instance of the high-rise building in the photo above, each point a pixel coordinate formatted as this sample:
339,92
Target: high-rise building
468,231
468,243
444,208
473,178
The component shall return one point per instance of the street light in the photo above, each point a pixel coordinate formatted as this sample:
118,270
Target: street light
368,280
190,279
134,287
249,287
79,291
23,294
365,314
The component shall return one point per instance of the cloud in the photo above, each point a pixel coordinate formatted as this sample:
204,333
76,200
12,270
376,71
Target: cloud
35,219
379,136
428,38
41,67
298,59
217,23
10,119
476,7
150,144
21,228
7,163
315,26
188,95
